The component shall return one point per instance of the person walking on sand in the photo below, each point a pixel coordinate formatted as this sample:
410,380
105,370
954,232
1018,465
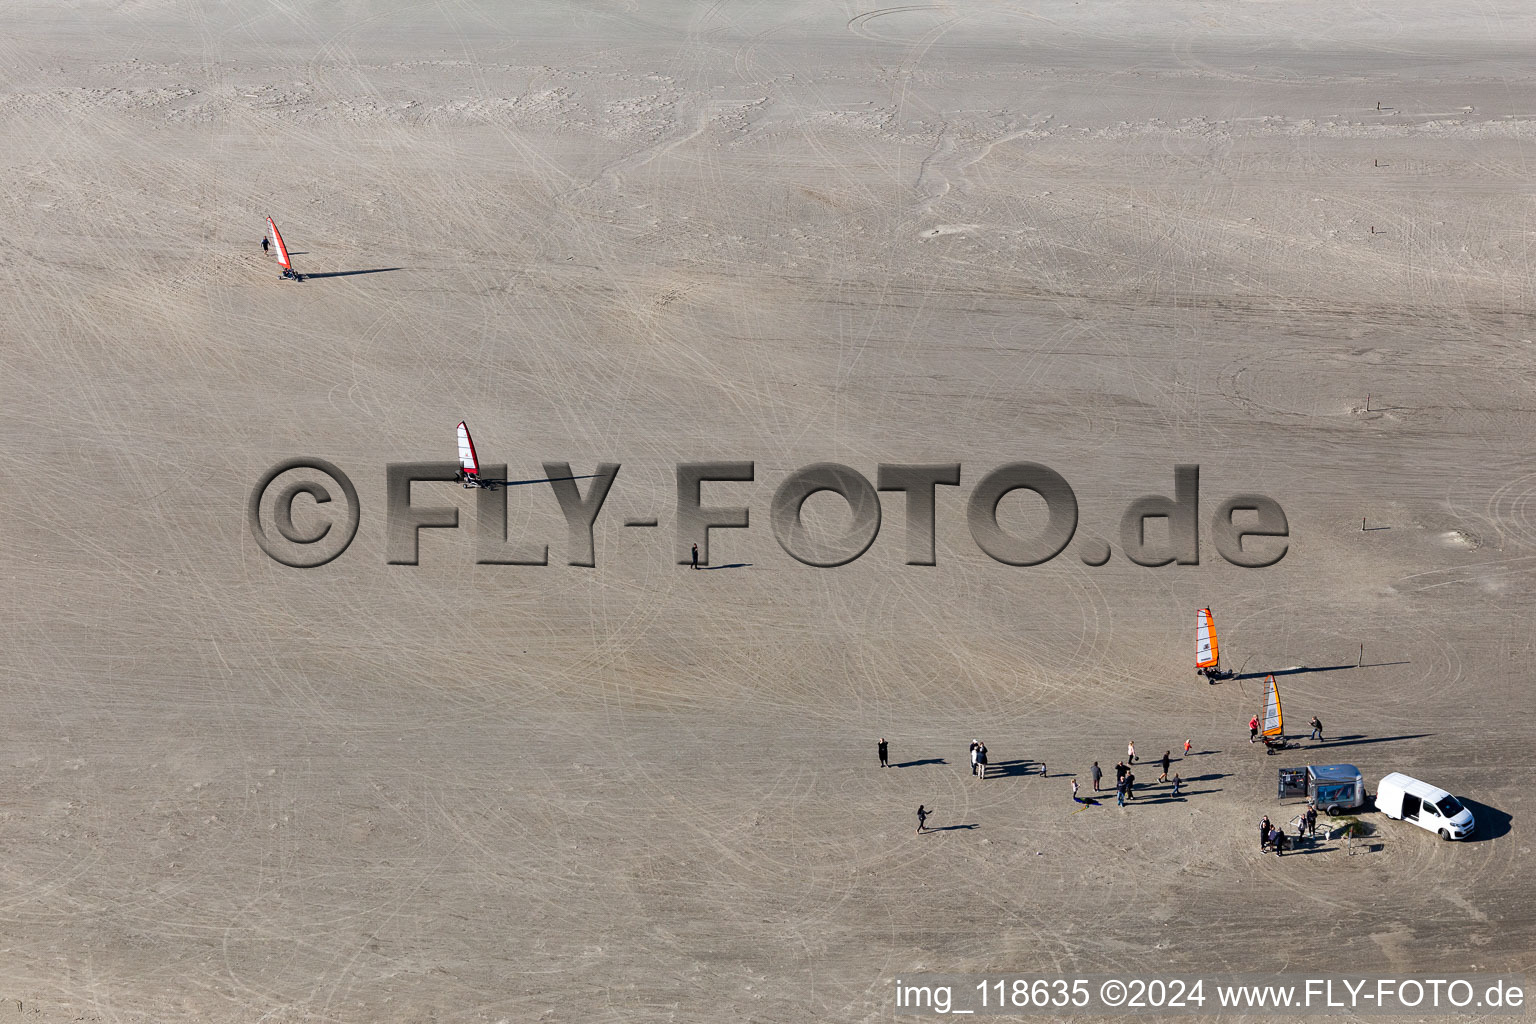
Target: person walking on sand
1130,785
922,819
974,747
1177,782
1264,827
1186,748
1074,789
695,557
1130,752
1098,773
1120,770
266,243
884,750
1120,792
1253,728
981,760
1317,728
1167,760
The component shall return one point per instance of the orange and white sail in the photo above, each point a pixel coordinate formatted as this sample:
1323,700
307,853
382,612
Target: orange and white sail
277,243
467,459
1206,653
1271,722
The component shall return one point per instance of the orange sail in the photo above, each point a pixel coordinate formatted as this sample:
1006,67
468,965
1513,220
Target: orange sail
1273,724
1206,654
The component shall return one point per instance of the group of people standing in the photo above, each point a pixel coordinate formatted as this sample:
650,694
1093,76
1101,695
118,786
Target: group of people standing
1270,836
1125,779
1273,837
978,759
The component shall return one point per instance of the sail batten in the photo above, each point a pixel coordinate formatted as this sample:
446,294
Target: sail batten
1273,722
1206,653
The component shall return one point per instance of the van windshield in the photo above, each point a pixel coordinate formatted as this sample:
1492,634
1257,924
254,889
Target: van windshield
1448,807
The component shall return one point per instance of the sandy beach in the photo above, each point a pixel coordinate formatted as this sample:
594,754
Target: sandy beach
1108,238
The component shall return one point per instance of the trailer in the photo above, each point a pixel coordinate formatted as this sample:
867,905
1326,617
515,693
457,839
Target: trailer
1331,788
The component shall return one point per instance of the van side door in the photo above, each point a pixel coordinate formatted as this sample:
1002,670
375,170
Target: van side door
1410,807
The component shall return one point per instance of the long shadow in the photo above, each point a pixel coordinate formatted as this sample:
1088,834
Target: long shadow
1317,844
733,565
915,764
1168,798
1491,822
1208,777
351,273
1357,740
950,828
1021,766
1293,671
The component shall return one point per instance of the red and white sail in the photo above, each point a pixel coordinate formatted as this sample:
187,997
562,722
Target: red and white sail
277,243
1206,654
467,459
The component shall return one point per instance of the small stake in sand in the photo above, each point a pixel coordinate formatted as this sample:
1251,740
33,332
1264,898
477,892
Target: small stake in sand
1362,524
1374,163
1361,662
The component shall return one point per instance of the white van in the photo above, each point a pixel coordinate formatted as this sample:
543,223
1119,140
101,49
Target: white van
1398,796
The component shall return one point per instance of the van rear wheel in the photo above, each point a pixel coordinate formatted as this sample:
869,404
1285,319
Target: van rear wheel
1445,834
1333,810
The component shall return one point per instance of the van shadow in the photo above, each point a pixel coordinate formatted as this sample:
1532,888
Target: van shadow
1492,823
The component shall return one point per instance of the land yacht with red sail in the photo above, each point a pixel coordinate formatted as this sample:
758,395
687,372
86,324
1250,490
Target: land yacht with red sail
283,259
469,467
